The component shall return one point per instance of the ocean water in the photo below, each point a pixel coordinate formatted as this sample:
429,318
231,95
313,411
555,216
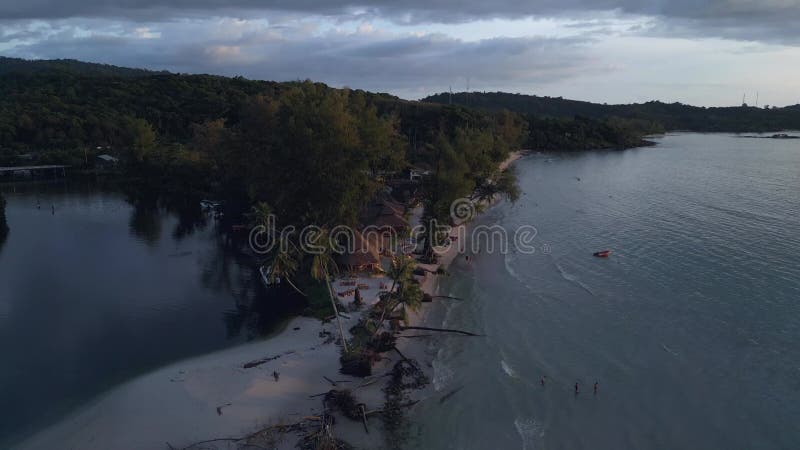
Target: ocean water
691,328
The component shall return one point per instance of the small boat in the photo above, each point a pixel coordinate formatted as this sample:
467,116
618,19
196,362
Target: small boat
602,254
266,276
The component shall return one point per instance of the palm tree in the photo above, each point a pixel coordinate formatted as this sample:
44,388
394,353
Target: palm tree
285,263
322,267
260,214
287,256
408,293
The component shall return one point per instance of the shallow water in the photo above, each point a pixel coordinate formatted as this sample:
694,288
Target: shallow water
691,328
107,287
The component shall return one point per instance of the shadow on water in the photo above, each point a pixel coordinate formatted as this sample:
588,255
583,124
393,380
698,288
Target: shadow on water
228,269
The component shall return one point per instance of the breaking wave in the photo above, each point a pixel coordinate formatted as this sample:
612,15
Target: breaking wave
530,431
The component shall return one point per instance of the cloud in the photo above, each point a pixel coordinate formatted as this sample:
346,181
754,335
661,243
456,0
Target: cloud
740,19
411,65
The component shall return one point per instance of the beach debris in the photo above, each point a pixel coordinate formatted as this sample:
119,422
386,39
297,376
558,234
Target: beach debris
447,396
364,417
442,330
333,383
358,363
405,376
317,432
345,402
447,297
219,408
259,362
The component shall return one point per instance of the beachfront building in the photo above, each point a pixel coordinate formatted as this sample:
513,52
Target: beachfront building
362,256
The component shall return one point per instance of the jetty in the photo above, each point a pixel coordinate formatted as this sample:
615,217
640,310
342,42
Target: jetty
55,170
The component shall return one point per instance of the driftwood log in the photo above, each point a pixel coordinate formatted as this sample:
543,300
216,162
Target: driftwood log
442,330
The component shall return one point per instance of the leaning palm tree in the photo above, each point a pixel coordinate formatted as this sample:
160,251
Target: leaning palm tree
285,263
407,292
322,267
401,269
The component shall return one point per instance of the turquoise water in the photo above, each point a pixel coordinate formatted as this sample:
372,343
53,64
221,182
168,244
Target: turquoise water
691,328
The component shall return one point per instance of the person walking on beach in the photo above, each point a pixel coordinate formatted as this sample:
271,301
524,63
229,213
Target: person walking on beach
541,380
577,389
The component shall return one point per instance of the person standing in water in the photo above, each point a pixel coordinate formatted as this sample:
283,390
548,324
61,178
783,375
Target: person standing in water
595,387
541,380
577,389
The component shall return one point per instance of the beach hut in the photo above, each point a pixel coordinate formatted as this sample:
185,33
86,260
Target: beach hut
362,257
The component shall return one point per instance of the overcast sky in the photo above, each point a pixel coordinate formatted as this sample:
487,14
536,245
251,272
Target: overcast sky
703,52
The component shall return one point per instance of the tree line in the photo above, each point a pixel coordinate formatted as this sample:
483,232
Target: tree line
666,116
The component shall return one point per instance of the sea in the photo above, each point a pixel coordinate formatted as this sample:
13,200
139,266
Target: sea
690,329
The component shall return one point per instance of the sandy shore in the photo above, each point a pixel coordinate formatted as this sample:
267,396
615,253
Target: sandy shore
215,396
178,403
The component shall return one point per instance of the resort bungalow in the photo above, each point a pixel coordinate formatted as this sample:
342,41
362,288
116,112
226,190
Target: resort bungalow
362,257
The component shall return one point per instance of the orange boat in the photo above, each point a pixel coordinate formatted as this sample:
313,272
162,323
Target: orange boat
602,254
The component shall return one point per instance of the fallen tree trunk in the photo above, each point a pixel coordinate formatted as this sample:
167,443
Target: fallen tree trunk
447,297
442,330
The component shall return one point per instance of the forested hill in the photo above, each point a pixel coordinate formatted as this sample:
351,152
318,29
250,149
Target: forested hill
69,66
57,109
673,116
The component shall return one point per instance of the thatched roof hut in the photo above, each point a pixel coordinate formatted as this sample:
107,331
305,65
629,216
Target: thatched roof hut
362,257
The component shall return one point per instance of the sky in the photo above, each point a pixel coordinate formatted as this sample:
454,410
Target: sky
701,52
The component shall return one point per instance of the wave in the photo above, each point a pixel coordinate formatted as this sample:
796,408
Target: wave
573,279
530,431
508,369
507,260
669,350
442,373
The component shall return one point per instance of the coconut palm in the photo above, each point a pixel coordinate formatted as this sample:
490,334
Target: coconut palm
285,263
260,214
404,291
323,267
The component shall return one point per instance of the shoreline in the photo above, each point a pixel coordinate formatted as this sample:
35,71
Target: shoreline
232,392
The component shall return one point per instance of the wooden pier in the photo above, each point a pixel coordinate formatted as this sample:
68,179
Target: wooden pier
55,170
